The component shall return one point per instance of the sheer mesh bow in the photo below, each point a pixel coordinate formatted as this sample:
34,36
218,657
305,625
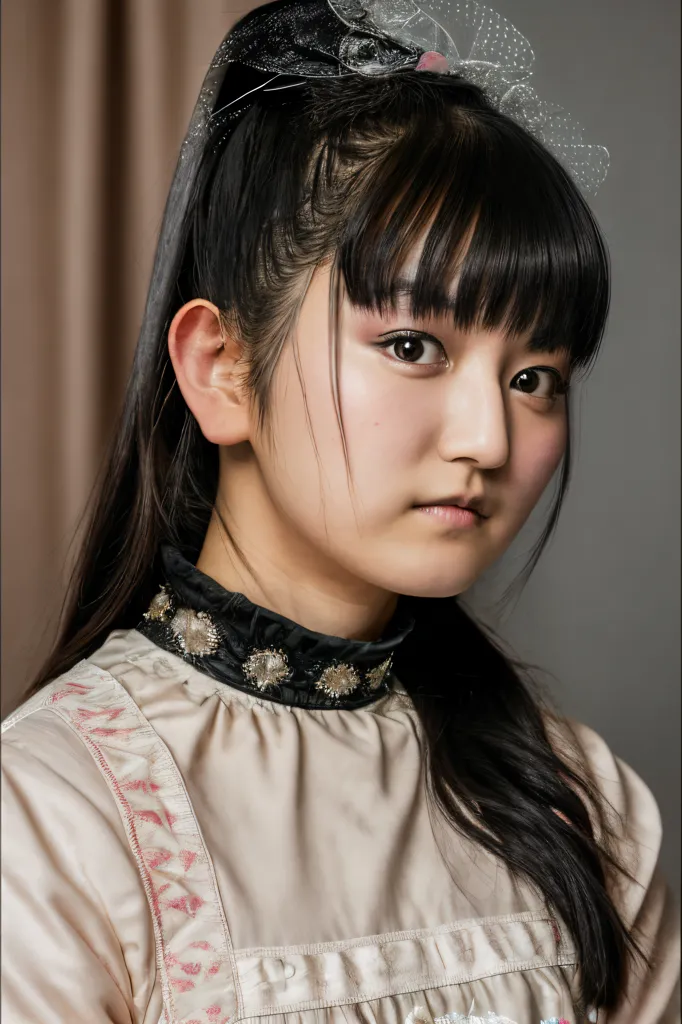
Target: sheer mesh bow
320,38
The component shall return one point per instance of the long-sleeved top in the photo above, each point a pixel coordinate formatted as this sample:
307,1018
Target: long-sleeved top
178,850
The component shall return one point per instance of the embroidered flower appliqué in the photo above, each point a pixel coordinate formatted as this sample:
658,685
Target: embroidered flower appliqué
420,1015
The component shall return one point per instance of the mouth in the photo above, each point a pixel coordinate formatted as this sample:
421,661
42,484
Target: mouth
453,515
476,502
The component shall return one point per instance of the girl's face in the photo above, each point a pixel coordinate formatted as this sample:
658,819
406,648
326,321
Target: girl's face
429,413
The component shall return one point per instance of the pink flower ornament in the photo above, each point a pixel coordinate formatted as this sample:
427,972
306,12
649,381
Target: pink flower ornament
433,61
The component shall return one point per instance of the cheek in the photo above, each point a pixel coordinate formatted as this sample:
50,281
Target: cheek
386,423
305,470
385,437
535,456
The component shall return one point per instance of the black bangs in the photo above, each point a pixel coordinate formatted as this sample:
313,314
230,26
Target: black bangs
508,241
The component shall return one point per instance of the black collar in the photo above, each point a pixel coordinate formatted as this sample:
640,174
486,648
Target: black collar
260,652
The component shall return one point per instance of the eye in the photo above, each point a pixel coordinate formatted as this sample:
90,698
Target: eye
412,347
541,382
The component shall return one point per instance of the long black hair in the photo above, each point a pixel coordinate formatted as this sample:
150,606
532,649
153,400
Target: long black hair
356,171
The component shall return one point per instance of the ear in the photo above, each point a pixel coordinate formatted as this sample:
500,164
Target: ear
209,366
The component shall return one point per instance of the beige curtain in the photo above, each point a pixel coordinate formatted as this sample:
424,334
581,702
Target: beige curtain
96,95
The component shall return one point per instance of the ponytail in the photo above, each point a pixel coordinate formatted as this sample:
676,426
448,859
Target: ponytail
494,775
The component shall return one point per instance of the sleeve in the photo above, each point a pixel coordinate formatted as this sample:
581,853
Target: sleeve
646,902
77,937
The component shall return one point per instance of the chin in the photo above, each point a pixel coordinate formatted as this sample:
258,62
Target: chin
424,579
435,588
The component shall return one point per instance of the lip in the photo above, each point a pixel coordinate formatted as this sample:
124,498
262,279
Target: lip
452,515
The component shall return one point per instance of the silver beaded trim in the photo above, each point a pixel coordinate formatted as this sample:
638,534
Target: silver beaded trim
195,632
159,606
375,676
266,667
338,680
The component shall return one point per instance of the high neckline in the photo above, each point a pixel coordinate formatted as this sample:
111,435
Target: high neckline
261,652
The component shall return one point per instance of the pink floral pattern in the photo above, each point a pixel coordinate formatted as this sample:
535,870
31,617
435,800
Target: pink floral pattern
194,952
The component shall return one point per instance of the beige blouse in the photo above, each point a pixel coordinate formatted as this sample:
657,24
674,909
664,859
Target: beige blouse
175,850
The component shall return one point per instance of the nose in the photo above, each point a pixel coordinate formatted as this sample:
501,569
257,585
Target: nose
475,424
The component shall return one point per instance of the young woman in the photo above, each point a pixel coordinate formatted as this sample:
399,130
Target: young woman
272,769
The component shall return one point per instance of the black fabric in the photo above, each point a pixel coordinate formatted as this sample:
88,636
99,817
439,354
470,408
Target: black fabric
244,627
309,38
295,40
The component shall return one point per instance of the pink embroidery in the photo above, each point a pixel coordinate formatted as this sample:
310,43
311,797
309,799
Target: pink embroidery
111,714
187,857
133,838
69,691
191,968
150,816
175,869
182,984
155,858
186,904
141,784
111,732
85,714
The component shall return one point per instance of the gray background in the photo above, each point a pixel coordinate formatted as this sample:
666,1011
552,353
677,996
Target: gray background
601,613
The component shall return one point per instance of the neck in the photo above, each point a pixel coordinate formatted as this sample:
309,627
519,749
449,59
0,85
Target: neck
276,568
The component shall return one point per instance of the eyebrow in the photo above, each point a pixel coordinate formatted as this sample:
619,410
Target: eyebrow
538,341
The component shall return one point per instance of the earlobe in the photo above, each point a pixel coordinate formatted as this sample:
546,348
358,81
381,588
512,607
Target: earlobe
210,371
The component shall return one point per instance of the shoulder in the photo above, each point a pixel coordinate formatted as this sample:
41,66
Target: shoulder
627,794
63,828
38,743
63,820
617,782
51,783
54,781
630,809
72,891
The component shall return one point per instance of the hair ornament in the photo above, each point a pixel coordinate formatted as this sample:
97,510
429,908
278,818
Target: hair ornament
431,60
472,40
321,38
